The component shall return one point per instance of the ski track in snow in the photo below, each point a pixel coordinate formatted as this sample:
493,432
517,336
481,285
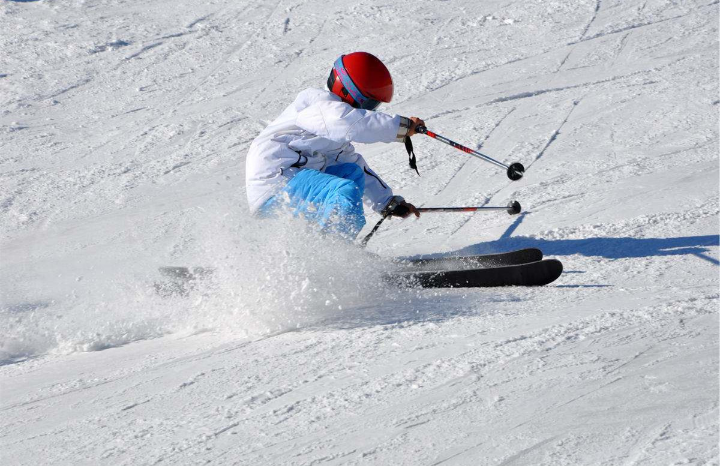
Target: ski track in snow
123,131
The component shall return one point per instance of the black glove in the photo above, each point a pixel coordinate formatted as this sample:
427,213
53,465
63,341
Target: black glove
396,208
400,211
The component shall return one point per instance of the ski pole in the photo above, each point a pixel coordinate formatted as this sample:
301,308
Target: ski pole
365,240
515,171
513,208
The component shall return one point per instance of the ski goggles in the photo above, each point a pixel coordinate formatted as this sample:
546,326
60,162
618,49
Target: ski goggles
348,87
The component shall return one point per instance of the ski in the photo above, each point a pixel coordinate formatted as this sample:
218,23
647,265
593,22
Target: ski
181,280
531,274
521,256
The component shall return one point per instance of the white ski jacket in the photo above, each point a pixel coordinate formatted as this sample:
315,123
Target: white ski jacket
315,132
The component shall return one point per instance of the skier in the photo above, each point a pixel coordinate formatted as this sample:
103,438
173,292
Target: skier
305,158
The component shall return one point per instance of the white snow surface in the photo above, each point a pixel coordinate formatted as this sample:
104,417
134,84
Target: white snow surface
123,132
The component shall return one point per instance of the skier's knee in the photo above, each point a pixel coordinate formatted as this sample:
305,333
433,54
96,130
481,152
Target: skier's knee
350,191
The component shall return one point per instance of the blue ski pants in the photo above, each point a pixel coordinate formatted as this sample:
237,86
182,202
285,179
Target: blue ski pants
331,199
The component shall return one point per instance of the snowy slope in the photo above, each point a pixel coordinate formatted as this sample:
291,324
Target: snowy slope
123,132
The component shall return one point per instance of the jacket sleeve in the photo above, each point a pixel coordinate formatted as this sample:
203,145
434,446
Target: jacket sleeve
342,123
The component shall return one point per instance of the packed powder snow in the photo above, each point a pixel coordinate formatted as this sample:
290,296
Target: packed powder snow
124,128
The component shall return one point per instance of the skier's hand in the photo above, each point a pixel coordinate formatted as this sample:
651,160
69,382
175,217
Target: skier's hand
404,210
411,132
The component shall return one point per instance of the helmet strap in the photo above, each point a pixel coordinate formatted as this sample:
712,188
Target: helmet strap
348,84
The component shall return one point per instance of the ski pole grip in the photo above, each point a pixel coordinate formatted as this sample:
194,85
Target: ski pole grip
421,129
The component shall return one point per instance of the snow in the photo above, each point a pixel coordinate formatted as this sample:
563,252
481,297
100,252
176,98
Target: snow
123,132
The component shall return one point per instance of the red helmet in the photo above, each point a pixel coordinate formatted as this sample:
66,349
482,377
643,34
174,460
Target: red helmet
361,80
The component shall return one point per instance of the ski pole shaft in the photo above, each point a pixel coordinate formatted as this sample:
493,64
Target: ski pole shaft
513,208
365,240
456,209
427,132
515,171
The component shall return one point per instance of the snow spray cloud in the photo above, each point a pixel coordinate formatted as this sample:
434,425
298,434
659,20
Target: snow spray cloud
268,276
279,274
77,307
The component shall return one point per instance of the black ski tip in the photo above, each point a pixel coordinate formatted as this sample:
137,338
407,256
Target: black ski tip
515,171
514,208
554,268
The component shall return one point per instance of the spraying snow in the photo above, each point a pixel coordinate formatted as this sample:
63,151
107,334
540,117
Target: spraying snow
268,276
123,133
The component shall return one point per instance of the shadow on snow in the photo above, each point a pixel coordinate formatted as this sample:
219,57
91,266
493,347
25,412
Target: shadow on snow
609,248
